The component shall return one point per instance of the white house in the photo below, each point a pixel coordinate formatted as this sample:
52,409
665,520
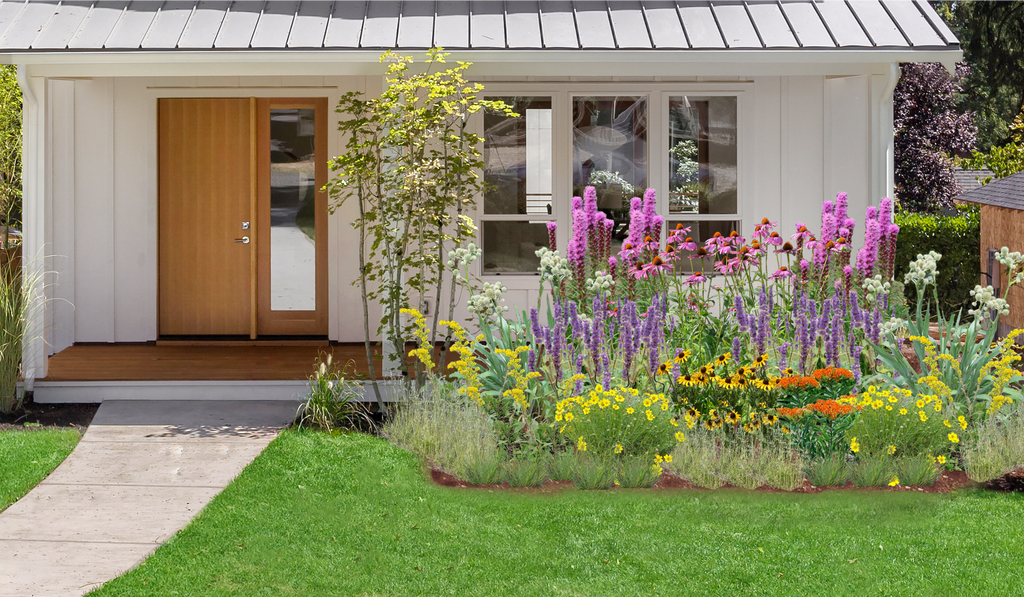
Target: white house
173,152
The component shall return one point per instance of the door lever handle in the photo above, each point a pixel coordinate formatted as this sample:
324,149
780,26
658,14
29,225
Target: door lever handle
243,240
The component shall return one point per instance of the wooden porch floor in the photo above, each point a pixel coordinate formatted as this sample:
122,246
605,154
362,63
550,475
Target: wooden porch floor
147,362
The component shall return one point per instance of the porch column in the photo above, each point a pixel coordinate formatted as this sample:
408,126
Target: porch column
33,215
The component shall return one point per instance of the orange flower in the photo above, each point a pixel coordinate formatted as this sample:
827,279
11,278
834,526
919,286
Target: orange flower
832,374
791,413
830,408
798,382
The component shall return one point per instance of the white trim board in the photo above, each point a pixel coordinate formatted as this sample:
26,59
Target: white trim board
94,392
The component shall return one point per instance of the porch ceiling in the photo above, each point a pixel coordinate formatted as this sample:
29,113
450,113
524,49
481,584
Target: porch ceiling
47,26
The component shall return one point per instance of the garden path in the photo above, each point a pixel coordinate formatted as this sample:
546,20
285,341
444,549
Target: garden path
142,470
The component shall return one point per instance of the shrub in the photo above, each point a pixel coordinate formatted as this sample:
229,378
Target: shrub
819,429
998,447
956,238
454,435
917,470
829,471
531,472
873,471
618,421
333,400
637,472
592,472
896,423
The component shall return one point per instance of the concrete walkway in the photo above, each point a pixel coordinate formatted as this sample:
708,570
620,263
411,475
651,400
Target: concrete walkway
142,470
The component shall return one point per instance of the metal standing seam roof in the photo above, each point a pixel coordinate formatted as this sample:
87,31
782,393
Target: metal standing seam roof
1003,192
41,26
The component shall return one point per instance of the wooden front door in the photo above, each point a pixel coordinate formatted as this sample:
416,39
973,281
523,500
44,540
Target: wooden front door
243,222
207,195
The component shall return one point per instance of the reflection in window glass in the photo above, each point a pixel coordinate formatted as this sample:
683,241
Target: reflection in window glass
700,232
292,210
702,155
517,158
511,247
610,154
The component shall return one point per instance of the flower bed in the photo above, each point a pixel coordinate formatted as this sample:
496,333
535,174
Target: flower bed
772,361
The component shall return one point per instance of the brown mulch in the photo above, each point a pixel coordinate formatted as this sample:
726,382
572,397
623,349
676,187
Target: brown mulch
949,481
1012,481
34,415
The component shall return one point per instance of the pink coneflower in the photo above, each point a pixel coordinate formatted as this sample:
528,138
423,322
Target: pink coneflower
729,266
670,253
781,274
787,248
774,239
688,245
764,229
696,278
802,235
650,244
712,244
656,266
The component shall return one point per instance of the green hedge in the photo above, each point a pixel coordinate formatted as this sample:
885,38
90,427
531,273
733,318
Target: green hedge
957,238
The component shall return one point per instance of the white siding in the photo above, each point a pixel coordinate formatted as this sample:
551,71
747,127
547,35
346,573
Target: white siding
62,207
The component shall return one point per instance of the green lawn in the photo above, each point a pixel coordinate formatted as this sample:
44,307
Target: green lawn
27,456
353,515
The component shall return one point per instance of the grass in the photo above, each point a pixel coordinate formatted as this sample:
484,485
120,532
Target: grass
27,456
353,515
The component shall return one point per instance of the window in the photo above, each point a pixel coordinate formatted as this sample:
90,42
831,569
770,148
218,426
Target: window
609,153
518,185
702,174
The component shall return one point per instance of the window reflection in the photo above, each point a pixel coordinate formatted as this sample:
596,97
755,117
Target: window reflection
702,155
292,210
610,153
517,158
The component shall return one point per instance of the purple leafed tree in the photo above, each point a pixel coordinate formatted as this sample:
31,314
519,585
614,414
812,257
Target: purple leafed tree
929,131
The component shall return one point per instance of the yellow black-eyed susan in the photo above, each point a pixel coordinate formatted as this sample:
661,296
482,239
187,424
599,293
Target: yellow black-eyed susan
693,414
709,424
732,418
771,420
686,380
663,369
722,359
760,360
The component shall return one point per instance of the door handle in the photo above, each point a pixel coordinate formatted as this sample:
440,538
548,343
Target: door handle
243,240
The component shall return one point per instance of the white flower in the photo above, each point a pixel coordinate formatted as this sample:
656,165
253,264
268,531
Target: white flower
890,327
924,270
875,286
463,256
986,303
600,283
553,267
1014,262
488,302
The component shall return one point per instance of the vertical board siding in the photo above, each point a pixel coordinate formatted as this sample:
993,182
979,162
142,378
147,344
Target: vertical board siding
699,23
487,28
664,25
59,30
94,211
204,25
416,28
558,26
380,27
346,25
166,28
766,133
803,146
135,212
451,26
522,24
772,26
848,149
239,25
808,25
629,25
274,25
310,25
62,210
1002,227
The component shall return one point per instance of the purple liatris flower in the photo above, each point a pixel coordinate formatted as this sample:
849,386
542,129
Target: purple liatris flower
552,237
736,348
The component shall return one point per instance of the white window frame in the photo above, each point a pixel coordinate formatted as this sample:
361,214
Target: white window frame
657,95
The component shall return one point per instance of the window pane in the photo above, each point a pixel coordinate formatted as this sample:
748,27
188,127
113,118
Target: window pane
700,232
610,153
517,158
292,210
702,155
512,246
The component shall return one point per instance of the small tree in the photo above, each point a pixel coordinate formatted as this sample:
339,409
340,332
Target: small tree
413,168
10,152
929,132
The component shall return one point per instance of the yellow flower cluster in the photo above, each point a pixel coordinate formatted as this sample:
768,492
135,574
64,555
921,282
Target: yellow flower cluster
744,377
422,333
466,366
515,372
618,420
